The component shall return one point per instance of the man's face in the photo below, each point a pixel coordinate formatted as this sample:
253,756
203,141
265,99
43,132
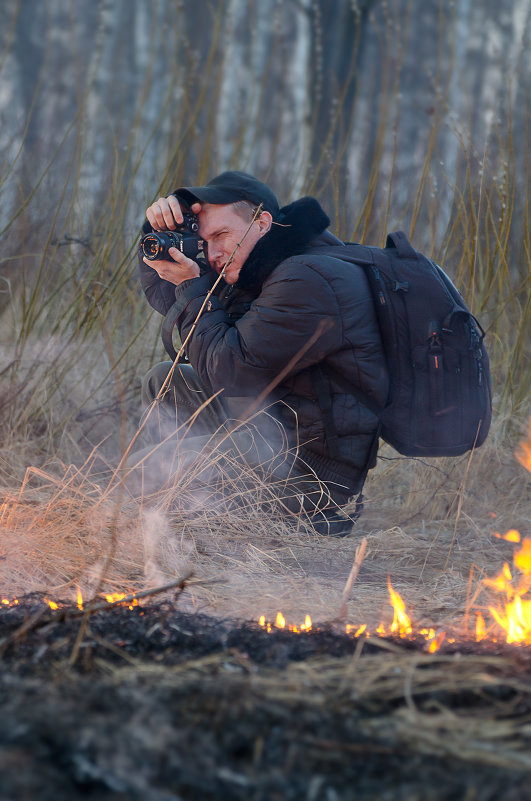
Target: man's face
223,228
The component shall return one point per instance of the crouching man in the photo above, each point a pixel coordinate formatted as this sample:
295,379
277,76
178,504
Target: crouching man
286,317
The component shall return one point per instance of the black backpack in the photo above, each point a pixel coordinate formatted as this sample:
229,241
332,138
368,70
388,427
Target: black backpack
439,401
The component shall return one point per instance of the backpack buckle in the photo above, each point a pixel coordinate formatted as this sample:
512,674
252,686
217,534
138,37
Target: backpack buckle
401,286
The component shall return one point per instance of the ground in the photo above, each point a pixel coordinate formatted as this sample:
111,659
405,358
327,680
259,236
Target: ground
154,703
188,697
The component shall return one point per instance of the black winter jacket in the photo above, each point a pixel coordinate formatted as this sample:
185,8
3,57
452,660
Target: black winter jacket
291,286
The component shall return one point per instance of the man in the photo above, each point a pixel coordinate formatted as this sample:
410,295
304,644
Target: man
287,317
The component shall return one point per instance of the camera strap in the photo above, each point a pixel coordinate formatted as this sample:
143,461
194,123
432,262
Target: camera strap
168,325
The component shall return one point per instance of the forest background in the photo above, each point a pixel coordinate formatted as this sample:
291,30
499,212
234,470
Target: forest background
394,114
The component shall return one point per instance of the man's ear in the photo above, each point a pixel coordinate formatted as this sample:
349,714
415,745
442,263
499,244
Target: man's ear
265,221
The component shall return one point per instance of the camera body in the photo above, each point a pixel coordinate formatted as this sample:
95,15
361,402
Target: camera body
156,244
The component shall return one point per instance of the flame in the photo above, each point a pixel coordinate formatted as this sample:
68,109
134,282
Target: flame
113,597
280,623
436,641
523,452
511,536
79,599
481,631
356,631
51,604
516,622
514,614
307,625
522,557
401,624
503,582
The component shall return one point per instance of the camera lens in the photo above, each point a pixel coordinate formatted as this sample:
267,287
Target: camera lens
157,245
151,246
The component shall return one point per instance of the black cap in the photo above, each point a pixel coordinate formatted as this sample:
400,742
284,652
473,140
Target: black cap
229,187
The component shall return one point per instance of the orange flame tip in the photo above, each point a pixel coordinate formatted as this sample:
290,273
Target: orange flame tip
523,453
307,625
435,643
280,621
401,623
522,557
481,630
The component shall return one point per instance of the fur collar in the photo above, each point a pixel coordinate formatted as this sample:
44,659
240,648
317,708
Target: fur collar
297,225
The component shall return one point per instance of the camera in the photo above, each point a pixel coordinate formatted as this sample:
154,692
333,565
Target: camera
156,244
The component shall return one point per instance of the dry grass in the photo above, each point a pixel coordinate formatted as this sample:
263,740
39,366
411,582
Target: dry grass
428,526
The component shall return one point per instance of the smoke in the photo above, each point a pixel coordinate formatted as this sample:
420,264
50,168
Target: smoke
166,555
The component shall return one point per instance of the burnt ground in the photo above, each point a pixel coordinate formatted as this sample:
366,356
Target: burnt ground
152,703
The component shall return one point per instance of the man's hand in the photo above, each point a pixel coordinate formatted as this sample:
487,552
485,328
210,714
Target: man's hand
165,214
180,269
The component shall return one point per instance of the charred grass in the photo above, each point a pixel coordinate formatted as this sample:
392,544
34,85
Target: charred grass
168,705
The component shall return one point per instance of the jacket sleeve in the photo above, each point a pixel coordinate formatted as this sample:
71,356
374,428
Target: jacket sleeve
294,320
160,293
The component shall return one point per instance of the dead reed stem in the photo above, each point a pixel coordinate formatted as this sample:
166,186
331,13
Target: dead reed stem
358,560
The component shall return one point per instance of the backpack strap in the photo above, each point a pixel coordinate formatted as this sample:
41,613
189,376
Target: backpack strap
350,389
399,240
168,325
321,387
370,463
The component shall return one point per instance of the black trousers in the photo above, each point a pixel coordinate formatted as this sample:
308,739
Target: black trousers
199,455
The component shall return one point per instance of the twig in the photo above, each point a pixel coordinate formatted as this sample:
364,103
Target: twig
99,607
179,583
358,559
44,616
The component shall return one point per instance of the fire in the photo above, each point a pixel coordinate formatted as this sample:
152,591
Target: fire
514,617
79,599
113,597
522,558
510,536
356,631
523,453
280,623
481,631
401,624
